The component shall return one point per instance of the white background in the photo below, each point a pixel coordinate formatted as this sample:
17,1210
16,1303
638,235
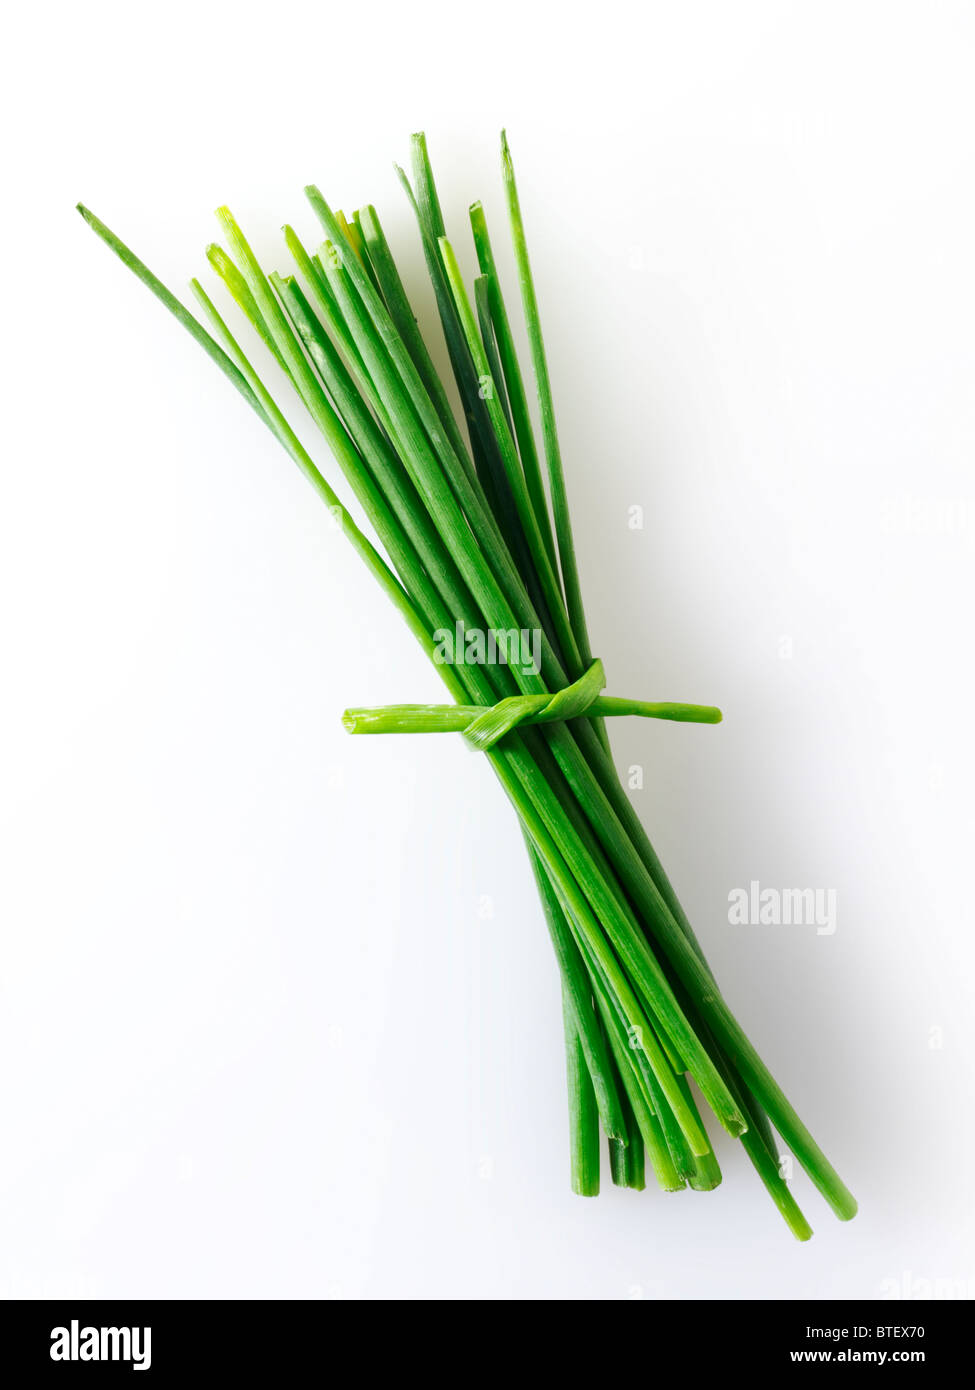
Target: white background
279,1015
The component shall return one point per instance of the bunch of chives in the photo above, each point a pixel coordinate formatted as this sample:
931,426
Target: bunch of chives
474,535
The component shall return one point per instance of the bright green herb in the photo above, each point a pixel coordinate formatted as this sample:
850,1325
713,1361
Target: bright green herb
471,545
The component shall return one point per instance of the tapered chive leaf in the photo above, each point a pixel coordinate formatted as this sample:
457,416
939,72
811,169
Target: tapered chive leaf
169,300
404,318
553,453
482,303
241,294
362,251
316,282
453,502
513,379
491,474
289,439
512,465
375,450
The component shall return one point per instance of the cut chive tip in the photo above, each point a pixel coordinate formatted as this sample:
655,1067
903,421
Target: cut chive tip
799,1226
703,1184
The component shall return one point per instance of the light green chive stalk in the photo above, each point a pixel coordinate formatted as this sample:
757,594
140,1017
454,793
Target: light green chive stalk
470,541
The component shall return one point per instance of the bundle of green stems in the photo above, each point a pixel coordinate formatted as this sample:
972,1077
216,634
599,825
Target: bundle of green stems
473,534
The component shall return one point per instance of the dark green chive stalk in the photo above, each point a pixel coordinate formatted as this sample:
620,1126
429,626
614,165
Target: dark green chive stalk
468,543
